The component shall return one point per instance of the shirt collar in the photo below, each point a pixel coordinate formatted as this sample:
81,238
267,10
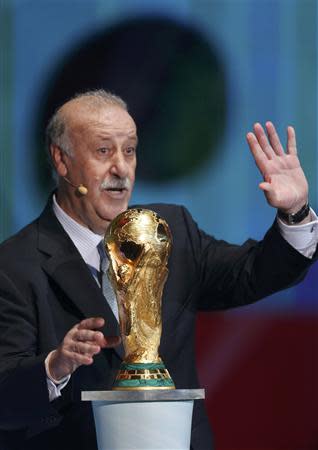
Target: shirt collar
84,239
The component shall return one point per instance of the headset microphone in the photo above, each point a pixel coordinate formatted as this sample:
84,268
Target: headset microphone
80,188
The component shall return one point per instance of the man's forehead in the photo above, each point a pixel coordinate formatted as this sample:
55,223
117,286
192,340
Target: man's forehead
80,113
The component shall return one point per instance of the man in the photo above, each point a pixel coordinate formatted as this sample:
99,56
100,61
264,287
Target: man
59,335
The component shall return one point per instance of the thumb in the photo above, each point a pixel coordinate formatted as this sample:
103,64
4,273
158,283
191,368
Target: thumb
265,186
111,341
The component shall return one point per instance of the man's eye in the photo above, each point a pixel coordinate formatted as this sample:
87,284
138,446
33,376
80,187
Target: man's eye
130,151
103,150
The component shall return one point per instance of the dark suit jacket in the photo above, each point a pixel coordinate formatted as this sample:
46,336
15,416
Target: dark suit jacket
46,288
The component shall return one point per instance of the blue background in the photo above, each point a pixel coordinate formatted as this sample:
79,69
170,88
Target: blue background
269,57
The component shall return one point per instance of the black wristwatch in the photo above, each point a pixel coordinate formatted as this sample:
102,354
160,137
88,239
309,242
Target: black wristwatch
296,217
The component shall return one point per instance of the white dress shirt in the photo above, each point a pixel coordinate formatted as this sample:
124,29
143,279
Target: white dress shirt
303,238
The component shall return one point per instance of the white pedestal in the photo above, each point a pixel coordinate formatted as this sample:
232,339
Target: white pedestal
143,420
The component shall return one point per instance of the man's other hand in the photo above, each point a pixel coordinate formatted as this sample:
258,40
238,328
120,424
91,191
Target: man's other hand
79,347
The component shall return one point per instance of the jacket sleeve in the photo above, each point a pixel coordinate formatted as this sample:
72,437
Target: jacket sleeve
23,387
234,275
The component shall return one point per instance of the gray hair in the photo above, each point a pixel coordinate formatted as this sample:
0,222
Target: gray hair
57,129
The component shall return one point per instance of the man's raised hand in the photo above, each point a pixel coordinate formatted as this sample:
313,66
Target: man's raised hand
285,185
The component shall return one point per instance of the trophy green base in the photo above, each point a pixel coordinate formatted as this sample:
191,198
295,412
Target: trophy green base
140,376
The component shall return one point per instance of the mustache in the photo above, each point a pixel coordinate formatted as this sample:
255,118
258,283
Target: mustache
116,183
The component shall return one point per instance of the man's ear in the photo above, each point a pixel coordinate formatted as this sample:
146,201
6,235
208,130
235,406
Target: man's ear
58,160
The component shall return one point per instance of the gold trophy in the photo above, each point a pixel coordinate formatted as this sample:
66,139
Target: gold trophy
138,244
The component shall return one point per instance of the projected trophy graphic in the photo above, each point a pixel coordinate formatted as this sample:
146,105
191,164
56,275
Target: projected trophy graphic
138,244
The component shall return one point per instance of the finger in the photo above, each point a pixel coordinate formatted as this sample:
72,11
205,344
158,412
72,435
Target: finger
291,141
274,139
82,348
91,324
263,141
111,341
88,335
78,359
258,154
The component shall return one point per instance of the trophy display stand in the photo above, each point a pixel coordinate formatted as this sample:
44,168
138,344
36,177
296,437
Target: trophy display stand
150,419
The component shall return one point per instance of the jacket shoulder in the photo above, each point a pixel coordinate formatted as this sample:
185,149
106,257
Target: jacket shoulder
20,243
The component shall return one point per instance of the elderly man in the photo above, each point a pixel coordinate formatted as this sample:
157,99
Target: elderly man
59,335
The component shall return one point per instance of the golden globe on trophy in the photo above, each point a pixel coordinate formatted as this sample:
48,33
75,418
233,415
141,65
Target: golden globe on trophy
138,244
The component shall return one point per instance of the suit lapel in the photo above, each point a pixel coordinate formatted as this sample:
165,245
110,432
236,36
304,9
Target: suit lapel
65,266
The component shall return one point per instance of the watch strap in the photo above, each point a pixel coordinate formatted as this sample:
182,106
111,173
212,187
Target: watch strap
296,217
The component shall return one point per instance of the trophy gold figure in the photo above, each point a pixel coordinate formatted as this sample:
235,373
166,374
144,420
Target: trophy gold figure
138,244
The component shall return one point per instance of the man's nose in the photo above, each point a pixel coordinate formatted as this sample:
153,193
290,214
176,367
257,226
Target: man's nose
119,165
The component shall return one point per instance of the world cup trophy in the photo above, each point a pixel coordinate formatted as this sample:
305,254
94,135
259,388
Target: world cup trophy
138,244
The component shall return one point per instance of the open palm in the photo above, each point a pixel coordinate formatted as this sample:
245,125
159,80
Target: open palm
285,185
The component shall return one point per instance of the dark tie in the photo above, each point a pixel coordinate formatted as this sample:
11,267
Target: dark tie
107,288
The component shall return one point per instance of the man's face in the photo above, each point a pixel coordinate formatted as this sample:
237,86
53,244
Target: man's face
104,160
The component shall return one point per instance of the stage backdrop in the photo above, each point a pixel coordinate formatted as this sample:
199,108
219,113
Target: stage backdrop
196,75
